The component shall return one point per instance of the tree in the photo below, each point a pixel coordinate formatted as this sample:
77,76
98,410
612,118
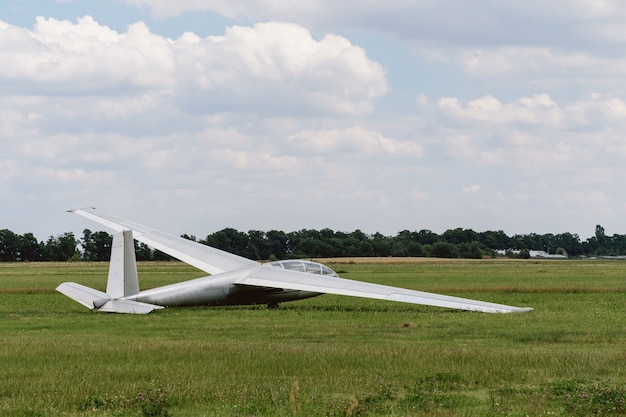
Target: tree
495,240
618,244
600,235
60,248
400,244
157,255
277,244
381,245
570,243
229,240
9,246
30,248
357,243
315,248
459,235
257,247
143,252
96,246
602,242
470,250
426,237
443,250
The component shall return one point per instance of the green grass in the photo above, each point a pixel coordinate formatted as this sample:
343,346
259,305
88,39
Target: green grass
326,356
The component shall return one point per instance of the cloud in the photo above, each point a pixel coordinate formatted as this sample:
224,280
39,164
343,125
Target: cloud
531,136
547,44
285,124
539,109
353,141
8,168
539,175
279,67
547,67
531,22
471,189
84,57
273,65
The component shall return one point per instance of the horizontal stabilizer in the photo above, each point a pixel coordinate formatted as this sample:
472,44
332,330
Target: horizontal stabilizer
91,299
128,306
82,294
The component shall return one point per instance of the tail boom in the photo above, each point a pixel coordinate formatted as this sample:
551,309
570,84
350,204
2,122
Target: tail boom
122,282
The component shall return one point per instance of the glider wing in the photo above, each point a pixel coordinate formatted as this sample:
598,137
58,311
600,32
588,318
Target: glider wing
206,258
280,278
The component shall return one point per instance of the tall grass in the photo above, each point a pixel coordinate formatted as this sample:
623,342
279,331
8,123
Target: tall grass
326,356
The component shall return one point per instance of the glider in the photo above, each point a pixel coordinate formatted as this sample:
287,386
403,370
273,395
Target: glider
234,280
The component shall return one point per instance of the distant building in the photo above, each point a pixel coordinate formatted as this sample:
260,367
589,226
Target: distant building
535,254
505,252
540,254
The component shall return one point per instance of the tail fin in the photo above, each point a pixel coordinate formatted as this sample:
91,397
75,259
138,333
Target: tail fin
122,282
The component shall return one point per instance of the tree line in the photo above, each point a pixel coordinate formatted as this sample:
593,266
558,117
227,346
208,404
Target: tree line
324,243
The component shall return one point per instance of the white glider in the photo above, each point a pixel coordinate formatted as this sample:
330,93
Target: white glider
234,280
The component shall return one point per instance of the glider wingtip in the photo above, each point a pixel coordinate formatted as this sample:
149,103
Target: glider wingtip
518,310
74,210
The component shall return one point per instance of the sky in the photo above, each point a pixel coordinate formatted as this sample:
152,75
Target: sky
197,115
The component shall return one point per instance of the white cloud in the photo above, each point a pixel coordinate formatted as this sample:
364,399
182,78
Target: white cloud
549,44
471,189
545,66
284,124
15,115
539,110
255,9
533,20
8,168
279,66
271,65
568,144
542,43
596,198
58,55
353,141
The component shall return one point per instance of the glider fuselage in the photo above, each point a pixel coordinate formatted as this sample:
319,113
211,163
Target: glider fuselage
220,290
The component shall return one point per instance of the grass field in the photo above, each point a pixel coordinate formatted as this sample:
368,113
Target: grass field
326,356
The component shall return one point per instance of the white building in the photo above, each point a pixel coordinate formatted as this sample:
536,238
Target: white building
540,254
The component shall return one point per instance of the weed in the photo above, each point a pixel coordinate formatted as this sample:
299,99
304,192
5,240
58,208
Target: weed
103,402
437,391
372,402
149,402
152,402
353,406
293,396
93,402
27,413
595,399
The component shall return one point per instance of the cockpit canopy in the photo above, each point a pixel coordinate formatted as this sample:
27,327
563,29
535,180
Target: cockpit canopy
305,266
